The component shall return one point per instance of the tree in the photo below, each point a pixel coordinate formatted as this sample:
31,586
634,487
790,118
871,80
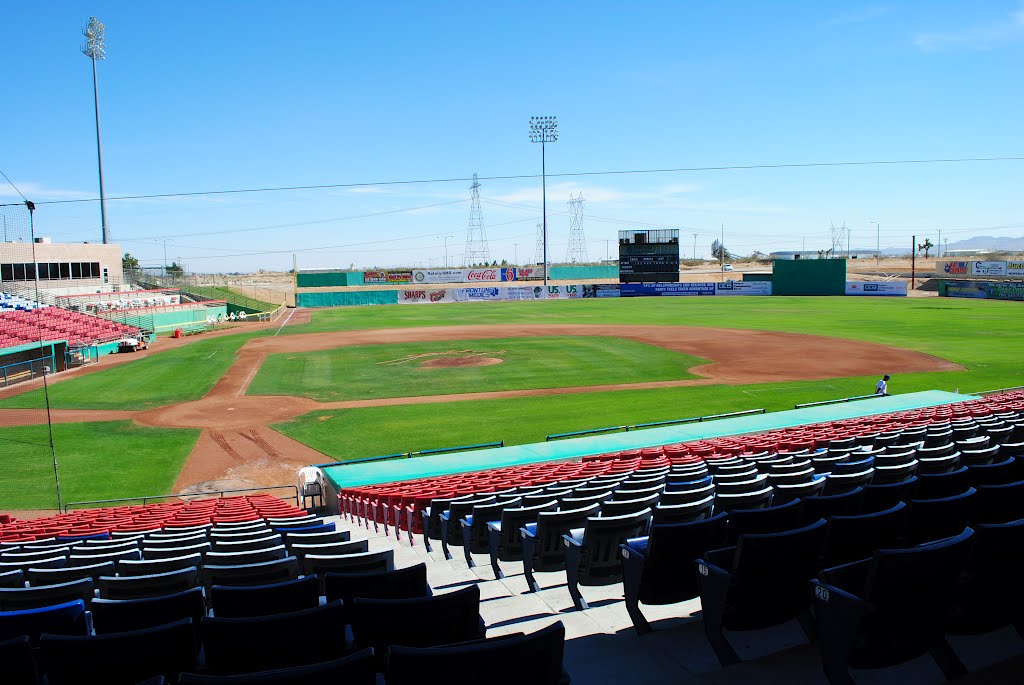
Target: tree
926,245
129,263
175,270
720,252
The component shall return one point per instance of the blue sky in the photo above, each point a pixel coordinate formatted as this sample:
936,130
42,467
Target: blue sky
202,96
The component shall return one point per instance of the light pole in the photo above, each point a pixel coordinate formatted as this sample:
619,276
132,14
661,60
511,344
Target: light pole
544,130
515,253
95,48
165,257
878,241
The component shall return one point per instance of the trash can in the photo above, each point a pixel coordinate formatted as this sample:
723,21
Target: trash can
177,332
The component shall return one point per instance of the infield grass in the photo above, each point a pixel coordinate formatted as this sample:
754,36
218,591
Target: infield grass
985,337
373,371
180,375
100,460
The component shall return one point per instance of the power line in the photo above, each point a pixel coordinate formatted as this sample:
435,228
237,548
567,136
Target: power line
577,174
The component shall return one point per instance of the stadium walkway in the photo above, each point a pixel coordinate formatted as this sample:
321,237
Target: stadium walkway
603,649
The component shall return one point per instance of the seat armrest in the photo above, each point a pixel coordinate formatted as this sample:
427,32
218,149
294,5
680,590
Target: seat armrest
636,545
467,521
445,515
529,530
494,525
720,557
850,577
571,540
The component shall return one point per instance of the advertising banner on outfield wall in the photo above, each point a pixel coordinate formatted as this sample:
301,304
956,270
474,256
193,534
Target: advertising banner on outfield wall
955,268
387,277
491,294
975,289
882,288
1015,268
1005,291
487,275
744,288
601,290
988,268
666,289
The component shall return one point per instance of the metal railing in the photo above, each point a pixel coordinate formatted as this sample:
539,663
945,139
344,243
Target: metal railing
654,424
183,495
838,401
995,392
409,455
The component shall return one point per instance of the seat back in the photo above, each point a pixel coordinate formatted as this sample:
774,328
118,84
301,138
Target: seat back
884,496
770,574
457,510
599,561
152,585
247,558
121,658
535,658
262,600
682,513
614,509
510,542
259,573
67,619
850,538
767,520
361,562
999,503
16,599
551,526
728,501
316,538
148,567
403,583
482,514
119,615
669,574
907,599
245,645
300,550
935,485
16,578
417,622
990,594
933,519
56,576
359,668
824,506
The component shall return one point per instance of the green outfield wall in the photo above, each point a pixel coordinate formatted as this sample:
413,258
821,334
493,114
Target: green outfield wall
809,277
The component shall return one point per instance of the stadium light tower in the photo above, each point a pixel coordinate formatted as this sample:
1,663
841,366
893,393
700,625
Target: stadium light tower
544,130
95,48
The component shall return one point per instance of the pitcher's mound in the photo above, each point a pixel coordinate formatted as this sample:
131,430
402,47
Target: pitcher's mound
452,362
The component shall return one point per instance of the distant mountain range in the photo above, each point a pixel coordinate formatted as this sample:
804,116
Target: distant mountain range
987,242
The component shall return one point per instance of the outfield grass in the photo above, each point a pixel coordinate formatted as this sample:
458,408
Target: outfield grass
985,337
180,375
372,371
95,461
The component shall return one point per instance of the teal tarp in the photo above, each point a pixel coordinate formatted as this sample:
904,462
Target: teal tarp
346,299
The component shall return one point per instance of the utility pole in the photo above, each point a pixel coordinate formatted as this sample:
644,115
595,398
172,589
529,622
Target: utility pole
446,237
939,245
577,253
721,254
515,253
878,241
95,48
849,239
477,249
913,261
695,246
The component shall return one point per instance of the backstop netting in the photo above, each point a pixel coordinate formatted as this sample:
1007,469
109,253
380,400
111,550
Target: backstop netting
28,468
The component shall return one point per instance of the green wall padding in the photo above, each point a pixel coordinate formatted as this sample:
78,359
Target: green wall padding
329,278
583,271
809,277
346,299
758,277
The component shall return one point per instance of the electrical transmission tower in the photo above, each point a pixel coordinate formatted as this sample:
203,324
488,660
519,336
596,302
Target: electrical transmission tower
477,251
577,253
539,257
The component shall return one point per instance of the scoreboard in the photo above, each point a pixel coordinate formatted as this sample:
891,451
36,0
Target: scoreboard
649,256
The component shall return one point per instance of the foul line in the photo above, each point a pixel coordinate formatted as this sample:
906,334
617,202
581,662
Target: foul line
285,322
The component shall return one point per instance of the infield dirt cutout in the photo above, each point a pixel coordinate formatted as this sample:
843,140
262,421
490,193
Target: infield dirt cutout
238,449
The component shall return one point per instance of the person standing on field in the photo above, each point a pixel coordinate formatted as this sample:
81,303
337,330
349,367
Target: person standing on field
882,387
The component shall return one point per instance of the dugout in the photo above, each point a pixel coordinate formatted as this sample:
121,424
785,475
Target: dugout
25,362
809,277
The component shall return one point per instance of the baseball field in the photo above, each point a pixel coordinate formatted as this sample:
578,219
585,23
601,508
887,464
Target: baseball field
251,405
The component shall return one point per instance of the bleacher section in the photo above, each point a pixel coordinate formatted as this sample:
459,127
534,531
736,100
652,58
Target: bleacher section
24,324
879,536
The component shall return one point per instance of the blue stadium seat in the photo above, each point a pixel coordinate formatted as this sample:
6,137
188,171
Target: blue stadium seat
825,506
505,539
508,660
121,615
68,618
767,520
14,599
659,568
298,638
403,583
418,622
929,520
17,661
592,552
263,600
121,658
850,538
991,595
889,609
999,503
542,540
761,582
359,668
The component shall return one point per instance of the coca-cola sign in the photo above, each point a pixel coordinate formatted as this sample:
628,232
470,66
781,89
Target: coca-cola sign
482,275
